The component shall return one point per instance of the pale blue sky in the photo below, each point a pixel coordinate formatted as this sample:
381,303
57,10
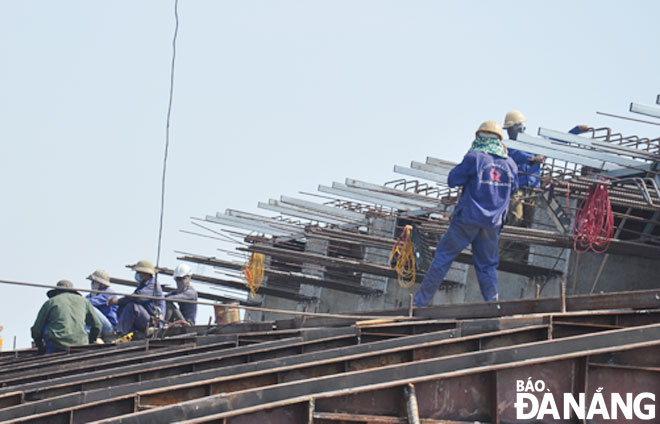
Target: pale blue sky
271,97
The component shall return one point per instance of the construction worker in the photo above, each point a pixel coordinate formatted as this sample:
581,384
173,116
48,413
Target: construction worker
141,314
62,320
184,291
529,170
488,177
529,173
107,314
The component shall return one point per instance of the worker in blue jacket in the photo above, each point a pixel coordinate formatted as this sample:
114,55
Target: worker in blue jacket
529,170
141,314
488,177
107,314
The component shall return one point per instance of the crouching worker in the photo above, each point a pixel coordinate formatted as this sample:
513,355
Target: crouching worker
184,291
139,314
107,314
488,177
62,319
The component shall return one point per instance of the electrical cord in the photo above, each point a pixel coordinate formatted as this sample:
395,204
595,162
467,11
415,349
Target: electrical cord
402,258
594,221
167,145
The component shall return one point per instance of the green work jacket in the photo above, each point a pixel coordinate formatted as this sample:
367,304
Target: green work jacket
66,315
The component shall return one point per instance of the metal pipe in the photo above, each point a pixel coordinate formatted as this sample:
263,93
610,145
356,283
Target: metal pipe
411,403
198,302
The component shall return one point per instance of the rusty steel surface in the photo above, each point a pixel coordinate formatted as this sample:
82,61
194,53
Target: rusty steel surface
313,369
240,365
158,387
642,299
467,327
203,352
398,375
485,396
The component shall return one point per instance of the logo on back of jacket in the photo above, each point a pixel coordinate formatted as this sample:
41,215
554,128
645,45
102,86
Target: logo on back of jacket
496,175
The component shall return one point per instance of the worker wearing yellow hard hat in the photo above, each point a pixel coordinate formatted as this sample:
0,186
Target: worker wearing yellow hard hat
488,177
139,315
529,172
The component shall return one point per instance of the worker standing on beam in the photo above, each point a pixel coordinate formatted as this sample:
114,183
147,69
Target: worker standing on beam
141,314
62,320
488,177
529,173
184,291
107,314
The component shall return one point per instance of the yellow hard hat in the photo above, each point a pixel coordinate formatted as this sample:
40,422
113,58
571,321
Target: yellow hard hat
512,118
145,266
491,127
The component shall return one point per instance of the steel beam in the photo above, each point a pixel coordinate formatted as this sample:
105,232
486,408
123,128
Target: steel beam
430,371
641,299
647,110
440,170
383,270
440,162
365,197
249,225
290,276
431,176
467,328
239,285
534,145
426,203
275,206
351,182
341,361
587,142
324,209
275,223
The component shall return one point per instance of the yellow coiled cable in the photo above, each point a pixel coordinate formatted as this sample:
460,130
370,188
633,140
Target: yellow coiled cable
402,258
253,273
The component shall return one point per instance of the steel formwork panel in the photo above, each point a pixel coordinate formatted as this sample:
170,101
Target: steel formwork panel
213,408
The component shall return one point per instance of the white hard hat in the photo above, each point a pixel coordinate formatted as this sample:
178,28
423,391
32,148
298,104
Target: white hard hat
182,271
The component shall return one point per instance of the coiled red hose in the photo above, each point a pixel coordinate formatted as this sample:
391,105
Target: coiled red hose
594,222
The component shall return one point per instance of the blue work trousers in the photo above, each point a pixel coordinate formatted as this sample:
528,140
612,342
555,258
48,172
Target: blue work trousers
108,329
50,348
134,317
484,253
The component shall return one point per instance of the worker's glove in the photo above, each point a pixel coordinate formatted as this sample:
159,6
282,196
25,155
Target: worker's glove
583,128
537,159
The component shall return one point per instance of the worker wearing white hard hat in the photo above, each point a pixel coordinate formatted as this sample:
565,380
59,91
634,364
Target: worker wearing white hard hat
184,291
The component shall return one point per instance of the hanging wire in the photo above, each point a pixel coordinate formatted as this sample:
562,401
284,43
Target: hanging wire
167,146
167,131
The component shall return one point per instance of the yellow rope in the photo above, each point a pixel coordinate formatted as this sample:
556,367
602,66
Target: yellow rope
253,273
402,258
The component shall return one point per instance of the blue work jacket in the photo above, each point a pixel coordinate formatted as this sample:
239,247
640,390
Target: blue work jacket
147,289
529,174
100,302
488,182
